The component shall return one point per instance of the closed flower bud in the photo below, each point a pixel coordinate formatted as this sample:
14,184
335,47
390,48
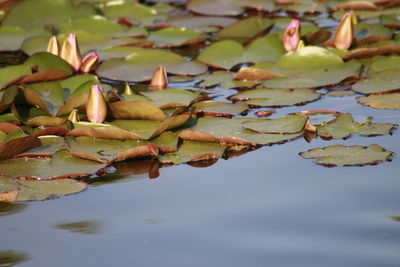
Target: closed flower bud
160,79
344,32
89,62
96,106
291,37
70,52
52,46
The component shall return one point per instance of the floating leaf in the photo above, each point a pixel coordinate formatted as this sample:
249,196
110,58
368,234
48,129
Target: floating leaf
171,98
385,101
338,155
227,7
32,190
61,165
379,82
343,126
141,64
134,109
47,61
277,97
173,37
199,23
191,151
287,125
209,129
220,108
13,73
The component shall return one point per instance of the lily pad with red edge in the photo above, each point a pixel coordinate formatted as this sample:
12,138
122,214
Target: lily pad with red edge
227,7
17,145
288,125
166,142
192,151
339,155
171,98
223,109
141,64
244,30
344,125
208,129
12,73
277,97
61,165
48,61
106,150
102,130
198,23
228,53
379,82
50,144
32,190
175,37
383,101
51,95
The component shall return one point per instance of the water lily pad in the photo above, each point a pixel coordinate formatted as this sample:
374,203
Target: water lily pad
220,108
288,125
31,190
215,78
11,38
141,64
381,63
379,82
133,109
39,13
51,95
47,61
245,29
198,23
209,129
61,165
171,98
227,7
339,155
344,125
173,37
385,101
106,150
227,53
190,151
277,97
50,144
13,72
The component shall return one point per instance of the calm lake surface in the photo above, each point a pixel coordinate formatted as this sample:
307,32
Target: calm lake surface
269,207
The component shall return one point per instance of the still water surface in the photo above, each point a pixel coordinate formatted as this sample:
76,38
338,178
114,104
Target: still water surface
269,207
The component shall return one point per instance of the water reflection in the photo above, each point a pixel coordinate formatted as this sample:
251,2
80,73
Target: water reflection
7,209
82,227
10,258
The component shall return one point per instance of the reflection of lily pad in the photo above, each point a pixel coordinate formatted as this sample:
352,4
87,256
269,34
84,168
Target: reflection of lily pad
276,97
385,101
338,155
191,151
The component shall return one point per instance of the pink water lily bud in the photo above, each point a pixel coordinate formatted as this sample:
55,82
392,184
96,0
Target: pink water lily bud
70,52
52,46
89,62
344,34
160,79
291,37
96,106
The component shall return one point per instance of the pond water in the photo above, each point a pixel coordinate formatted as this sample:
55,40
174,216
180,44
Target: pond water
269,207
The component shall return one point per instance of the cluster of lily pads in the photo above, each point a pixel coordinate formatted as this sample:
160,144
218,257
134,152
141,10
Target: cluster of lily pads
87,84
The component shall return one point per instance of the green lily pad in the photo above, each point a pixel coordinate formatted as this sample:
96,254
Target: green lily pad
171,98
362,30
288,125
105,150
385,101
243,30
227,53
277,97
50,144
51,94
136,11
12,72
39,13
227,7
11,38
198,23
190,151
48,61
173,37
133,109
209,129
220,108
343,126
61,165
32,190
141,64
339,155
379,82
215,78
381,63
